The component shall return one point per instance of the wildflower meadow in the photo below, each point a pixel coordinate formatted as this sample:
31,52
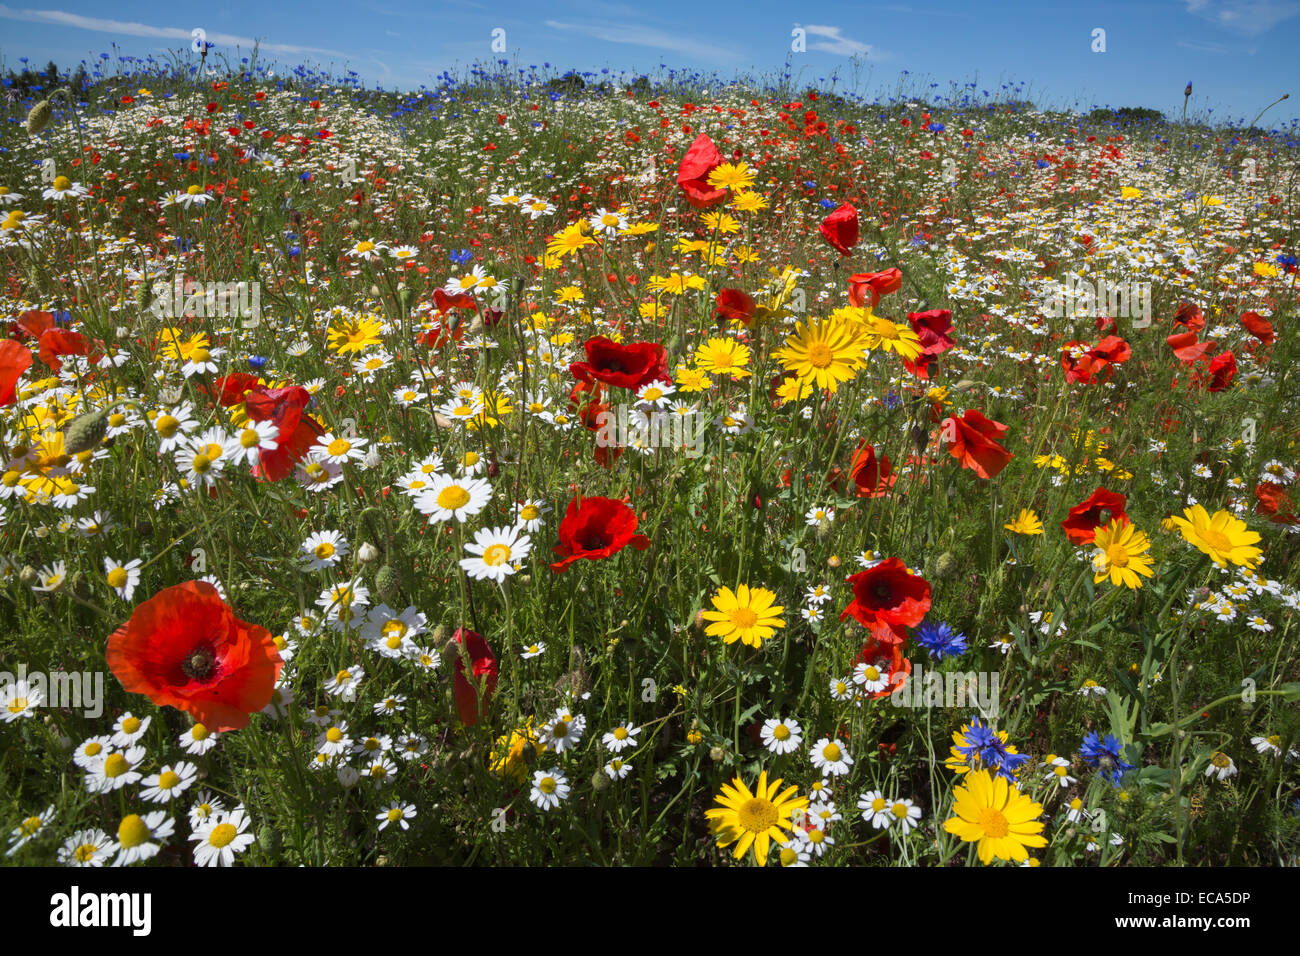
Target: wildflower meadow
546,468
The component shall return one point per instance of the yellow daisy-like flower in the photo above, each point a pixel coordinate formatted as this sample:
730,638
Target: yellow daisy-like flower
354,335
1026,522
823,353
737,177
1130,192
792,389
748,202
570,239
1120,555
1221,535
998,815
746,615
881,333
509,758
754,819
691,380
721,222
723,357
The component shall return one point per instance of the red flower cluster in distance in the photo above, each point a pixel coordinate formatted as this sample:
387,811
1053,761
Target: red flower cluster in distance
185,648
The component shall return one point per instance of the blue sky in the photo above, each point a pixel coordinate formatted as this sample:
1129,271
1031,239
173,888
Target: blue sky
1239,54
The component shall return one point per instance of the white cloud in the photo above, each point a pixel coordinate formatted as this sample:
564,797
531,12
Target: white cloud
1247,17
125,28
834,42
637,35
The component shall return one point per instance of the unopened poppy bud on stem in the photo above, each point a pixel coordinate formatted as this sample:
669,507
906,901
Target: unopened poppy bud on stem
85,432
367,553
39,117
716,754
599,781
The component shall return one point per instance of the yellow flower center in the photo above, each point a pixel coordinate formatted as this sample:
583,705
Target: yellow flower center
453,497
117,577
115,765
194,190
333,735
1216,539
168,779
17,705
546,785
495,555
130,725
757,815
324,550
782,732
61,183
742,618
339,446
167,425
820,355
993,823
620,733
93,749
249,438
871,673
1117,556
199,732
394,814
222,834
132,831
84,853
831,752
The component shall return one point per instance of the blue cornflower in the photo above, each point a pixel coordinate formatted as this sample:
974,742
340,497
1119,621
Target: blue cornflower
460,256
941,640
257,362
1105,756
891,400
827,204
809,184
985,747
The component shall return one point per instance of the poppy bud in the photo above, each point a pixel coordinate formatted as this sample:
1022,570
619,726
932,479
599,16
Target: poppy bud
28,575
85,432
476,325
374,291
367,553
38,118
405,297
699,618
387,582
599,781
920,438
716,754
946,566
268,840
833,561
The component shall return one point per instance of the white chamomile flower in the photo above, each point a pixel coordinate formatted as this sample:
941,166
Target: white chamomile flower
87,848
536,649
397,813
620,738
140,838
169,782
875,809
564,731
123,578
324,549
222,836
617,768
252,439
1221,766
549,788
497,553
830,757
29,829
448,497
198,740
781,736
129,728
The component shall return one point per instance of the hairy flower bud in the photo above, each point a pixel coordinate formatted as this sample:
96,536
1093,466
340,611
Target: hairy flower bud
85,432
39,117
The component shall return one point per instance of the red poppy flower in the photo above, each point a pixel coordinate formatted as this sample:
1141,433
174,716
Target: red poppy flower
1275,501
14,360
1223,368
483,664
185,648
875,283
735,305
693,173
840,229
34,322
627,366
282,407
971,440
1096,511
873,478
888,598
596,528
889,660
56,343
1190,315
1188,350
932,328
1259,327
1081,366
